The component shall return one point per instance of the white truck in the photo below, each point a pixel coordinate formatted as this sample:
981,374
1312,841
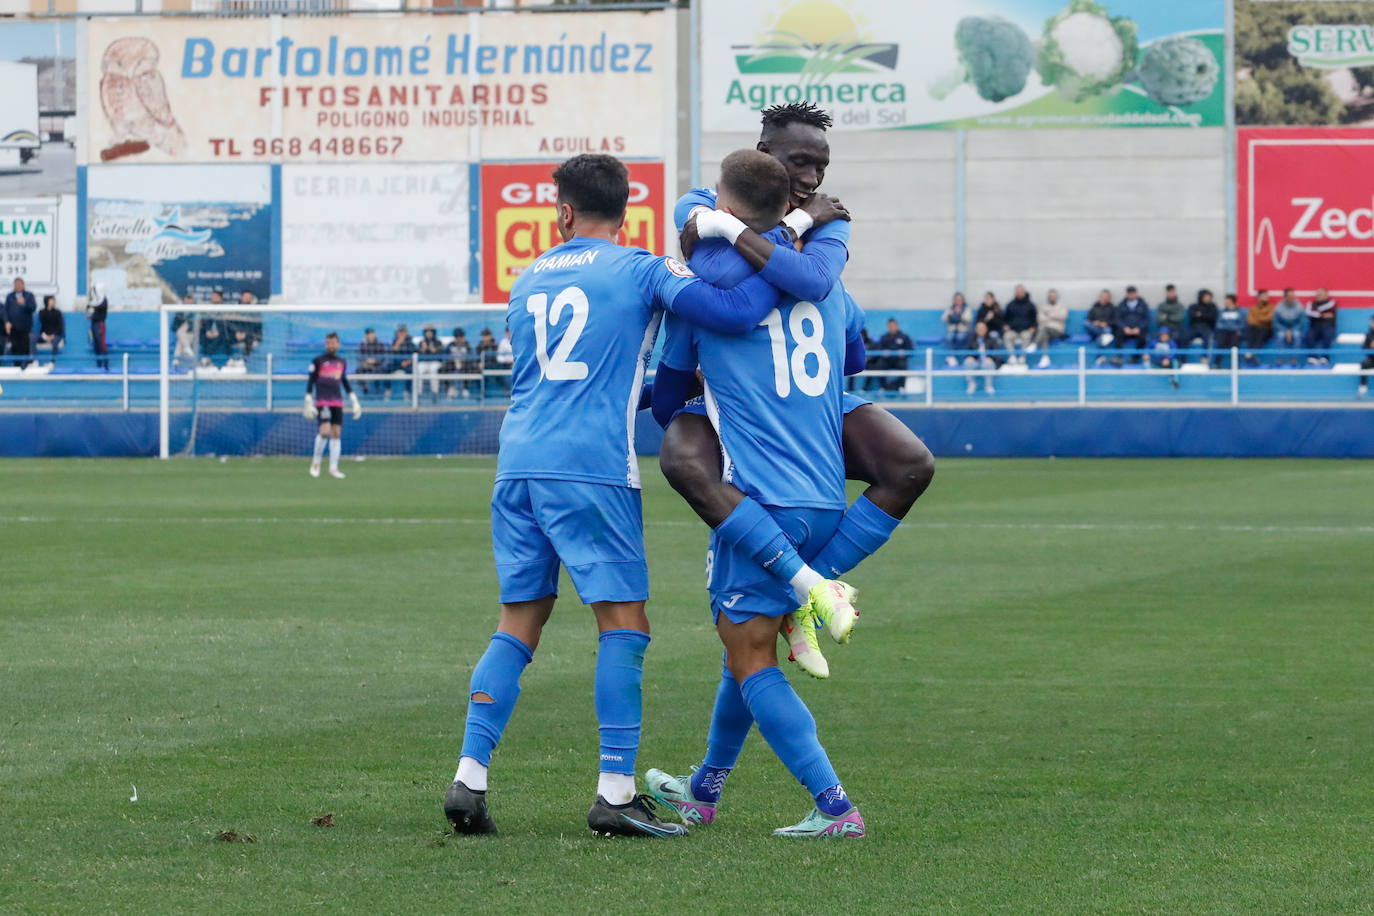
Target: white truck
19,140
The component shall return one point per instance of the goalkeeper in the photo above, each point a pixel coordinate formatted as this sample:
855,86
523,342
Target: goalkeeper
324,403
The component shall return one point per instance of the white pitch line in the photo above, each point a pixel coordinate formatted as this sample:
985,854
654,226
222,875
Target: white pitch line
1128,527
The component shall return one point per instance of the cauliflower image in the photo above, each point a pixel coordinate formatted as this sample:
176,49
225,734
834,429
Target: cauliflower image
1085,52
995,55
1179,71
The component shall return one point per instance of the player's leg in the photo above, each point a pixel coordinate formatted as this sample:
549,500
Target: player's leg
690,458
335,442
527,569
787,725
321,440
598,533
881,451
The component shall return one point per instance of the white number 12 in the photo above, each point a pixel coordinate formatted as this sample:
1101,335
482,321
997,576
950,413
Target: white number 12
785,371
557,367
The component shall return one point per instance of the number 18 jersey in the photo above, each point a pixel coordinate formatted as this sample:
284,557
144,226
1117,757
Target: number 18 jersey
774,397
583,319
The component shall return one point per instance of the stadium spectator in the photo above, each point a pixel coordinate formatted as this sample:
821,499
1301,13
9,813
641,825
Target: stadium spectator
371,356
1202,322
1170,313
97,307
18,320
1288,320
244,328
1368,362
215,347
896,347
459,360
486,354
52,328
1021,322
958,323
1164,355
1321,327
1132,323
401,358
430,356
983,345
1101,326
1053,320
1230,325
990,314
184,329
1259,326
505,353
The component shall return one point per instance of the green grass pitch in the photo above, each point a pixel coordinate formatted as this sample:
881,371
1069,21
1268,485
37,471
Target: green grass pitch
1077,686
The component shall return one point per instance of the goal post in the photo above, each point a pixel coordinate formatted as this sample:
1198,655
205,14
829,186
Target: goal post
430,379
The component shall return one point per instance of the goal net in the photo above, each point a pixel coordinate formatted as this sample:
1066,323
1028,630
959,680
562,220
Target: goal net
430,380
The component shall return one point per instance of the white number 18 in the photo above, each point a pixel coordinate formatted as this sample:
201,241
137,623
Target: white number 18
811,343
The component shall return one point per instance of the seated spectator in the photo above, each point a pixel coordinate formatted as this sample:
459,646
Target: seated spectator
486,354
1202,322
459,361
184,331
1259,326
1132,323
1368,362
430,353
371,357
1230,324
214,341
1288,321
1021,323
983,345
1101,326
52,328
505,353
990,314
1053,324
897,346
958,323
1321,328
1164,353
246,327
401,358
1170,313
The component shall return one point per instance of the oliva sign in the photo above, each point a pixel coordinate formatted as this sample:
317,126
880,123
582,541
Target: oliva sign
23,227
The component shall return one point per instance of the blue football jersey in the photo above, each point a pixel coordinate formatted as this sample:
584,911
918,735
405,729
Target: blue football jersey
774,397
583,319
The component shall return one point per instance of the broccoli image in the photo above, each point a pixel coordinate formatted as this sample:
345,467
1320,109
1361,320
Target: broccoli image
994,55
1178,71
1085,52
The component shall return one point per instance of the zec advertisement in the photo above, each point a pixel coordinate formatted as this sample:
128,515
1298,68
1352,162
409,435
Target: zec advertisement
520,222
894,64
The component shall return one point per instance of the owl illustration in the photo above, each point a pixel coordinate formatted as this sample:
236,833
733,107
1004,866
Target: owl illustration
134,99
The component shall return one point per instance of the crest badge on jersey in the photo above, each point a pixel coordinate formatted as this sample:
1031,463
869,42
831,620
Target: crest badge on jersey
677,268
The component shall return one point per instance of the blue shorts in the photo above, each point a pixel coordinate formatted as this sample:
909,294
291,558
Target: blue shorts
741,589
852,401
595,530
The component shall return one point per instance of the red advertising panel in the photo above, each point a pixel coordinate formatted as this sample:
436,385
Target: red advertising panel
519,221
1306,200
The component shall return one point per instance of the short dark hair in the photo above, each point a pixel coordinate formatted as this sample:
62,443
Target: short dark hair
779,116
332,335
1169,287
594,185
1288,289
759,182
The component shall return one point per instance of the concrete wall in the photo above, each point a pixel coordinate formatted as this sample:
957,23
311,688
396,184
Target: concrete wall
1074,209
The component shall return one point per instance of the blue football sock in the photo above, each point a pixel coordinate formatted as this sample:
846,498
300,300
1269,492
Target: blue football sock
863,530
786,724
619,700
730,724
498,676
754,532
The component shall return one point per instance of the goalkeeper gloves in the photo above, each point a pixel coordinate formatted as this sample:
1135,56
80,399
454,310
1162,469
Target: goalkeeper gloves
308,411
357,408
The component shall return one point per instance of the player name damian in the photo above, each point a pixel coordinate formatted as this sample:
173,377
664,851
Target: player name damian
580,259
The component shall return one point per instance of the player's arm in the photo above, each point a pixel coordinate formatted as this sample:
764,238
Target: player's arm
308,408
668,284
352,398
809,274
676,375
855,353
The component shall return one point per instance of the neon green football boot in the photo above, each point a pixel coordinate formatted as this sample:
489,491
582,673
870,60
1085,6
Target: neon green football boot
833,604
799,629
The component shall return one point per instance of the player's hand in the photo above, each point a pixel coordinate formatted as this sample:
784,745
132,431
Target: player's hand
822,208
688,239
308,410
357,408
